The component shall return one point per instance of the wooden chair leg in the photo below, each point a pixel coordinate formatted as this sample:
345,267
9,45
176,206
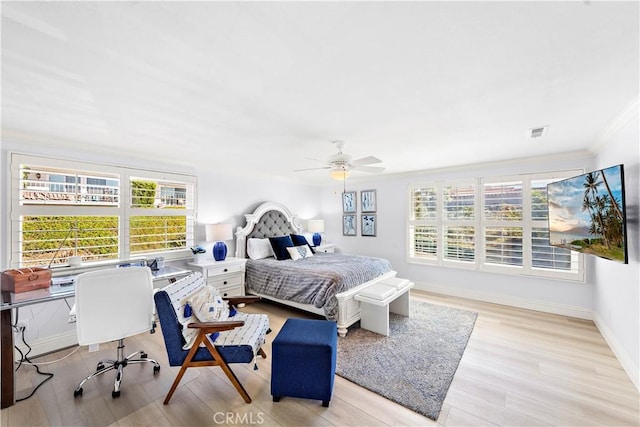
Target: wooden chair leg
183,369
227,370
262,353
217,361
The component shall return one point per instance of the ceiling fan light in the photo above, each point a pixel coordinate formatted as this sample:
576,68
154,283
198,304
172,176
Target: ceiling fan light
339,174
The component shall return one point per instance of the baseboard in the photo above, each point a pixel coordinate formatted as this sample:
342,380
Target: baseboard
46,345
629,367
543,306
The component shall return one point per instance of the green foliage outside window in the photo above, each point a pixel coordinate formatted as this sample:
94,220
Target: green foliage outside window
157,233
92,237
143,193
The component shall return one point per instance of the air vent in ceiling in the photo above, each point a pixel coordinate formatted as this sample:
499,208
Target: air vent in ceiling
538,132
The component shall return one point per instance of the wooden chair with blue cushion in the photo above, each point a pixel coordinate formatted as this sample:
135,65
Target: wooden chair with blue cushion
191,343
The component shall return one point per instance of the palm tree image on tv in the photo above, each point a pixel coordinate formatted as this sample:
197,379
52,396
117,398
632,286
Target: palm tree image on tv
586,214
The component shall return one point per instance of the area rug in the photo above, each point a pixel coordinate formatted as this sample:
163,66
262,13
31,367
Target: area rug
415,364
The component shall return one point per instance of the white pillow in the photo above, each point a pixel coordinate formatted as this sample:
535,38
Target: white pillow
299,252
208,305
259,248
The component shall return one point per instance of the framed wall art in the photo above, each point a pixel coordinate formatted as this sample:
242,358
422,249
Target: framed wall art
349,225
368,222
349,201
368,200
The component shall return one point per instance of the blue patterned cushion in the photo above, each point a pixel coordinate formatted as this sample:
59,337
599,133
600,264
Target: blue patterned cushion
299,239
300,252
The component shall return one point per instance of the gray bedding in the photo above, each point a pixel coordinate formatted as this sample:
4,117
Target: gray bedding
314,280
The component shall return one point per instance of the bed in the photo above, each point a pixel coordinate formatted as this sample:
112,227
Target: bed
324,284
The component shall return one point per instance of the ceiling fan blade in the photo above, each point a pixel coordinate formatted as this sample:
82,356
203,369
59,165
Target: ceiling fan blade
372,169
312,169
366,161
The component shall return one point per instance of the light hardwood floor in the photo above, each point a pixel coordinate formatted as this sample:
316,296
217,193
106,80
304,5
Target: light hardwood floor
520,368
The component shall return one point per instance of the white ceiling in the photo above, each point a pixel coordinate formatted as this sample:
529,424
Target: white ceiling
265,86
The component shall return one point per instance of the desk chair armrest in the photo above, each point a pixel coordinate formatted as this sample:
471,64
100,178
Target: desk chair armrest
208,327
242,300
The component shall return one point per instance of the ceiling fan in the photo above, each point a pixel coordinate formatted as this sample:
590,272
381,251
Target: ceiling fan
340,164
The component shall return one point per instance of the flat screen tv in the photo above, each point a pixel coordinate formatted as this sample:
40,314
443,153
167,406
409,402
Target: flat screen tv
587,214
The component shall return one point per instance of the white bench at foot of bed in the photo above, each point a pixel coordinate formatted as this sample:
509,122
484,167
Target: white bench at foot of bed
349,311
348,307
377,301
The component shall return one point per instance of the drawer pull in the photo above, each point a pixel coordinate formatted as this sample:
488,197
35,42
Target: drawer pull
225,282
226,269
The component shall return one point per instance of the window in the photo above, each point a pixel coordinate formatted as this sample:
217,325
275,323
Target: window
74,208
490,224
458,222
423,223
503,214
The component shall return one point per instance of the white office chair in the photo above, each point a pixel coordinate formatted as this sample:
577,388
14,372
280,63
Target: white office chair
113,304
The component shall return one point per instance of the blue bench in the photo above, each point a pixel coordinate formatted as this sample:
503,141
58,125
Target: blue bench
303,360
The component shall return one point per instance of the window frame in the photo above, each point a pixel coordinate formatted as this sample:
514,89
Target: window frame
123,210
527,223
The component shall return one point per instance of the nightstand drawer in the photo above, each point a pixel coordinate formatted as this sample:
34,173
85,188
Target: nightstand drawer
231,291
216,271
223,282
327,248
227,275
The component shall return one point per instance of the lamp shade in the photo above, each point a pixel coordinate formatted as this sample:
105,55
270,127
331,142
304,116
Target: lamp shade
316,226
218,232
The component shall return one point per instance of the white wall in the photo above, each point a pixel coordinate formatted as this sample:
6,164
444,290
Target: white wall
617,286
221,197
555,296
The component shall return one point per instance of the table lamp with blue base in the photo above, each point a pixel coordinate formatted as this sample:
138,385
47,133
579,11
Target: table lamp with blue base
219,233
316,226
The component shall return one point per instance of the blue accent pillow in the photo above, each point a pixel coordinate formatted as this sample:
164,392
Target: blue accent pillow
280,245
299,240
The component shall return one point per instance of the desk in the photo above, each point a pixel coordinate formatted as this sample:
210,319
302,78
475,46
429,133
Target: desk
39,296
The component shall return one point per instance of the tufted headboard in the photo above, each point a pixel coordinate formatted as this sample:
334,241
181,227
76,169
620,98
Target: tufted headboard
270,219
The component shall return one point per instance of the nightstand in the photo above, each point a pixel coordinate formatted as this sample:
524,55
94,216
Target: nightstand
325,247
227,276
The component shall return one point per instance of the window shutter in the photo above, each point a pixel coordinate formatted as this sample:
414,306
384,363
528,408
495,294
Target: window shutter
424,240
424,204
93,237
78,208
52,186
503,201
459,202
459,244
503,245
510,236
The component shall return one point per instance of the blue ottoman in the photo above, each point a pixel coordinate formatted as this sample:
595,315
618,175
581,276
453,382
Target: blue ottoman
303,360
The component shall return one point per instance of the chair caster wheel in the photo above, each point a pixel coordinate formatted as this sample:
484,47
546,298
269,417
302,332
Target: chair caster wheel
143,355
100,366
77,392
115,394
156,369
